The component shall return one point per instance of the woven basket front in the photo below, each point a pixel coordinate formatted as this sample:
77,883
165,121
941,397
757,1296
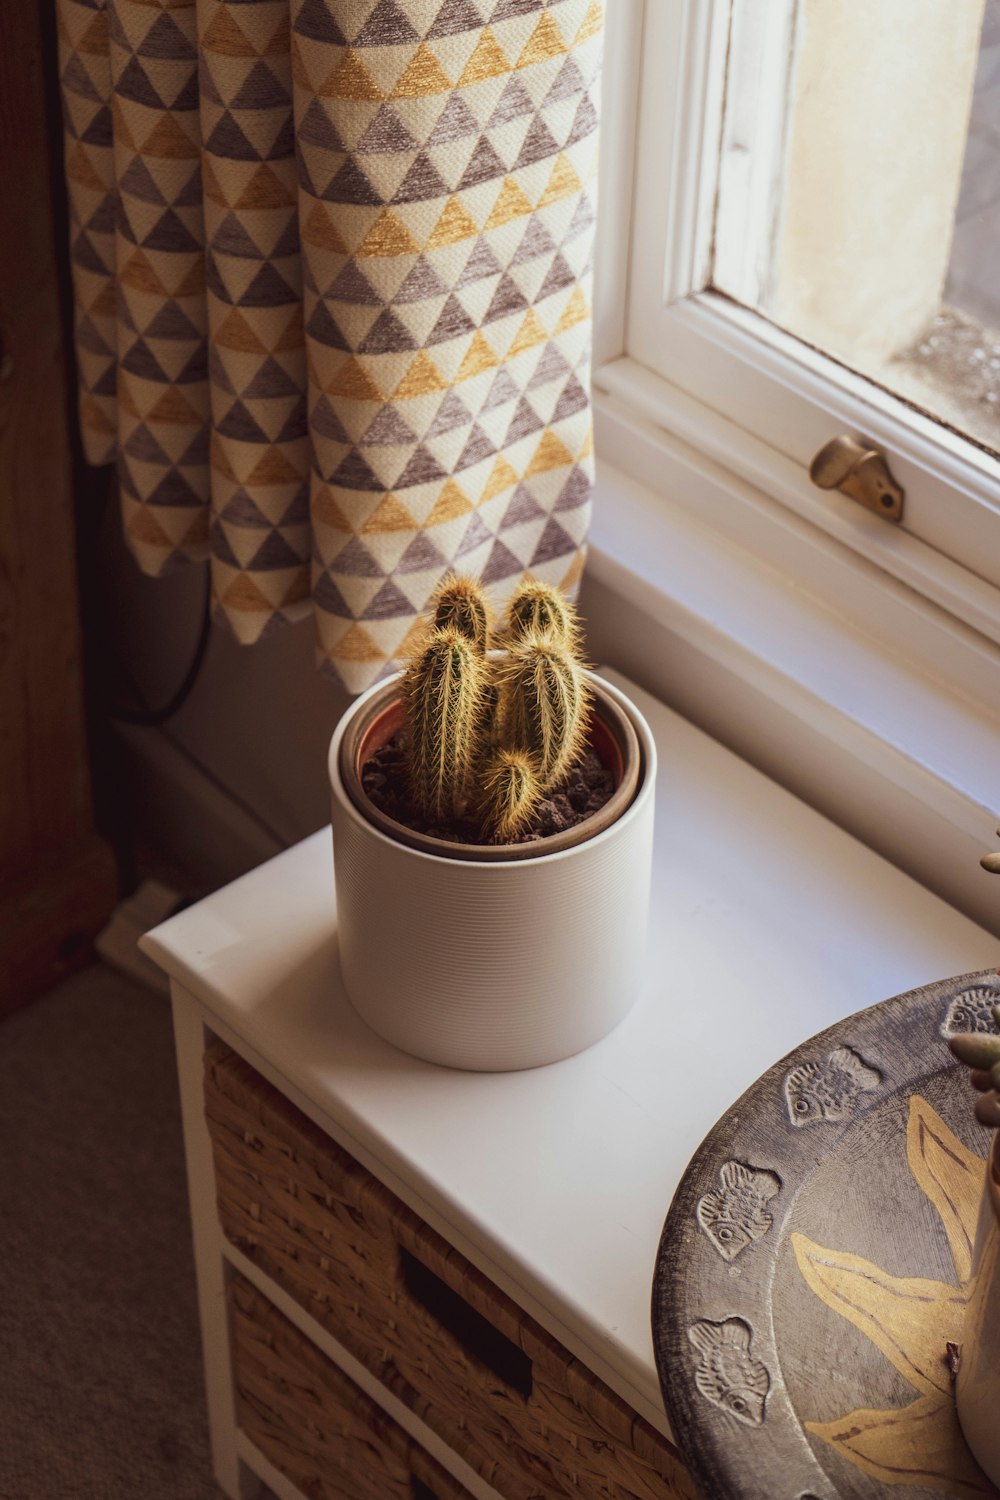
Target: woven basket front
312,1422
532,1420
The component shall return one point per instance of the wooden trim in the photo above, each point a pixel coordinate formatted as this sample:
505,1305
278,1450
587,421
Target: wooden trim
57,881
48,918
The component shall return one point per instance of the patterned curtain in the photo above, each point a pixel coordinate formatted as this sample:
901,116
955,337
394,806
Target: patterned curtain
331,262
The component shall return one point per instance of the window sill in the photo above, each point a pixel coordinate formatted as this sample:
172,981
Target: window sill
788,644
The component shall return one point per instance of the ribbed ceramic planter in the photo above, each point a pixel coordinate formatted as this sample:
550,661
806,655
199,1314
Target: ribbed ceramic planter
497,959
977,1388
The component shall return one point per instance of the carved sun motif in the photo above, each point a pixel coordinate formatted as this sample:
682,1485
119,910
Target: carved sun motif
911,1321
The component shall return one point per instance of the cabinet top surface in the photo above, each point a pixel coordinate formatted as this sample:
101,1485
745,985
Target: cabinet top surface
767,924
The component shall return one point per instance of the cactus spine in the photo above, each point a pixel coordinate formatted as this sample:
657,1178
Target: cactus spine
543,704
461,605
538,609
491,733
509,791
444,690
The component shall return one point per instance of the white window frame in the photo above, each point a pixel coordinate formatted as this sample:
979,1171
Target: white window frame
882,640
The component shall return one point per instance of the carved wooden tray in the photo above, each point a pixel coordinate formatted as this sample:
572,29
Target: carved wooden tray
815,1260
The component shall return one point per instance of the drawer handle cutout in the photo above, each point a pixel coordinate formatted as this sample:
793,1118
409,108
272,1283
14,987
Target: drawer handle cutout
477,1336
420,1490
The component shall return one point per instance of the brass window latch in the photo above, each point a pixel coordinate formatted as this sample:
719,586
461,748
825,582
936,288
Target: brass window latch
859,471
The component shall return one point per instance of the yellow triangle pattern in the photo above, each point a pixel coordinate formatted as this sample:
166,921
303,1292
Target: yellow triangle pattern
357,645
422,75
545,43
487,60
390,515
503,476
350,79
388,236
450,504
512,203
564,182
326,509
354,381
423,378
530,334
479,357
455,224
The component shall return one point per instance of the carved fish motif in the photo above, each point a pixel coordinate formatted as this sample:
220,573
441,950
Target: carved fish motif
733,1216
727,1373
972,1010
828,1090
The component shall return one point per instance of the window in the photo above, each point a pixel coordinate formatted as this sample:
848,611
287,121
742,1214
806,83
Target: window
864,655
795,265
855,203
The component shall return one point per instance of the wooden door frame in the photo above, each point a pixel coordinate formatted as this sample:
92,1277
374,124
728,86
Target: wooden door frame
58,876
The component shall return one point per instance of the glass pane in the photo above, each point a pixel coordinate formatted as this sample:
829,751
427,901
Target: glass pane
859,201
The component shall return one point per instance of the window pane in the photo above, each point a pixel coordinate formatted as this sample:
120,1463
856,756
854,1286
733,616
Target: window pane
859,199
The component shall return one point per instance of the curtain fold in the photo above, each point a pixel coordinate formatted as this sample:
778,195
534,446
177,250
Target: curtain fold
331,264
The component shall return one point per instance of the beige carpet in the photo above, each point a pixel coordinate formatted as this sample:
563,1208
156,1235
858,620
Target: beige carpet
101,1393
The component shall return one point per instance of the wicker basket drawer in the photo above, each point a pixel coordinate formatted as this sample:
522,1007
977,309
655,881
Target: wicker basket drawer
312,1421
498,1389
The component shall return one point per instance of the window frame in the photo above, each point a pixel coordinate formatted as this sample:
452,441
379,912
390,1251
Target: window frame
876,645
708,348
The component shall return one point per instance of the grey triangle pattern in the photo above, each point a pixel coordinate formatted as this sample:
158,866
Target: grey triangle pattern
501,564
454,123
422,197
421,553
422,282
388,429
474,535
523,507
388,604
451,414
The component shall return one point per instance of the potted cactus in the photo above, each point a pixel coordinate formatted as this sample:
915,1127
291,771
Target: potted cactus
492,824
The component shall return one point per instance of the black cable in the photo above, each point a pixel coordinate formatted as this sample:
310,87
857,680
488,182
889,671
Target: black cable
153,718
150,718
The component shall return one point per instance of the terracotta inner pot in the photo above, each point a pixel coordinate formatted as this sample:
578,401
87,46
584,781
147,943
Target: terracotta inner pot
617,747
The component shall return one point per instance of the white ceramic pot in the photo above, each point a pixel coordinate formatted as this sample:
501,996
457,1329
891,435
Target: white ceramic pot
493,963
977,1388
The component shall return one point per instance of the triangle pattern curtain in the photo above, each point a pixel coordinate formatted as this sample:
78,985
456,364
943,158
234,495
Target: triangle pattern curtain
331,264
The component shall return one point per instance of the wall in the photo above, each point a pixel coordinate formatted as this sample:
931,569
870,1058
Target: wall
240,772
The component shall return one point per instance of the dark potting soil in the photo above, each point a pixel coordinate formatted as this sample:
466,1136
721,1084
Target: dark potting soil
584,790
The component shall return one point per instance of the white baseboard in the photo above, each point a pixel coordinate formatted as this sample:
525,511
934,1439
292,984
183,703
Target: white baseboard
201,833
149,905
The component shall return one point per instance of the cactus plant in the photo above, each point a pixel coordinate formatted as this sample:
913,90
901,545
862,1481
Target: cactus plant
461,605
536,609
509,791
489,733
541,703
445,691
